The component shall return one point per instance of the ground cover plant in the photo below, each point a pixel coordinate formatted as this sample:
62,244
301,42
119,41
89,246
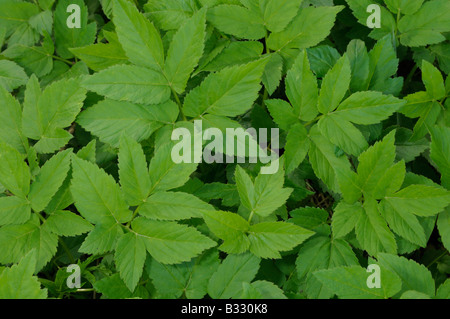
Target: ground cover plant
354,99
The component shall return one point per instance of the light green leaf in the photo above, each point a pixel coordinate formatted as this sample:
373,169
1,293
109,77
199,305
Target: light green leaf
11,121
230,227
97,196
372,231
230,92
129,83
65,223
374,163
101,56
14,172
11,75
18,282
185,51
297,146
130,257
189,278
102,239
108,119
278,13
309,27
66,37
426,25
421,200
440,148
269,238
169,242
301,88
238,21
46,114
263,290
235,270
433,80
14,210
49,180
368,107
404,6
174,206
413,275
139,38
345,218
351,283
133,173
322,253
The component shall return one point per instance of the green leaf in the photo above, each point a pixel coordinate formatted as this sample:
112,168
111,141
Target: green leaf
65,223
238,21
368,107
235,270
345,218
433,80
189,278
139,38
230,227
278,13
334,86
11,121
273,73
101,56
324,161
413,275
185,51
322,253
36,59
443,224
372,231
440,148
14,172
343,134
11,75
262,289
309,27
66,37
404,6
16,13
269,238
129,83
301,88
350,283
46,114
403,223
282,113
102,239
443,291
297,146
165,174
170,14
169,242
18,282
174,206
97,196
49,180
230,92
421,200
130,257
14,210
359,63
108,119
374,163
426,25
134,177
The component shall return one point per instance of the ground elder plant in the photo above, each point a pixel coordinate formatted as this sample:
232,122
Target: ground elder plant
225,149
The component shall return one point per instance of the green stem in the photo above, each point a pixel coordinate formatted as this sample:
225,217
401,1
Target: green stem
410,75
250,217
63,60
180,107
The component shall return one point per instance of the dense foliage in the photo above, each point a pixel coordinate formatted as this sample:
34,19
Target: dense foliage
86,169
